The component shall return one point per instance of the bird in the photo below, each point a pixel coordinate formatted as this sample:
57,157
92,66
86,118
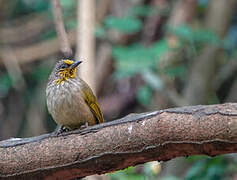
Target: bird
70,100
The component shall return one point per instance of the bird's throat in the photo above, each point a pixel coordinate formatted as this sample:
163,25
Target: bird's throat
65,74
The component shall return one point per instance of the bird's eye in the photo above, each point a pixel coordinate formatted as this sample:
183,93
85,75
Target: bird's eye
64,66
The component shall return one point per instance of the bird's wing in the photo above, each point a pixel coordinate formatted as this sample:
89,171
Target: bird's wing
90,99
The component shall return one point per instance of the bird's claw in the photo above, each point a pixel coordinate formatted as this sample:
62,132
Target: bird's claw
61,130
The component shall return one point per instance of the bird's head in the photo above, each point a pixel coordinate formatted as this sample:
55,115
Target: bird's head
65,69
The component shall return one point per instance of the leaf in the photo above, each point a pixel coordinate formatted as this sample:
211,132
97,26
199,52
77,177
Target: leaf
71,24
206,36
152,79
41,72
195,171
182,31
100,32
170,178
203,2
132,59
207,168
144,95
187,33
142,10
196,158
135,58
230,42
135,52
124,24
39,6
5,85
48,34
159,48
67,4
178,71
127,174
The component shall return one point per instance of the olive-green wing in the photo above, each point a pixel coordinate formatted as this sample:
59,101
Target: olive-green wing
93,104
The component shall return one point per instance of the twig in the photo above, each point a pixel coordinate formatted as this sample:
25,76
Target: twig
14,70
64,43
40,50
101,10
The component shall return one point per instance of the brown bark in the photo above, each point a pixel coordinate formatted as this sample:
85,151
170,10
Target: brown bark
135,139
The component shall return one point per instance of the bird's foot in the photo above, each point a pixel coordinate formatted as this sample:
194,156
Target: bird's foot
61,130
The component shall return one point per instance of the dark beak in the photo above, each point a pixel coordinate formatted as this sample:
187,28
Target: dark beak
75,64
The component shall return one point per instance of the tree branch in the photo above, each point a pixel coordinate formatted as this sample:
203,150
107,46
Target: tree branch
135,139
65,46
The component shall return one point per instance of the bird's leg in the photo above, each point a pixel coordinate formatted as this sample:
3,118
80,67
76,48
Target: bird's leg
84,126
61,130
64,129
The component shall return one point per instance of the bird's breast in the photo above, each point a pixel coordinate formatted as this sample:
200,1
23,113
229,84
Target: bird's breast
66,104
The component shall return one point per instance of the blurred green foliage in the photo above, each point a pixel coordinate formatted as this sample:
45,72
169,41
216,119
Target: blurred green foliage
124,24
189,34
206,168
145,172
127,174
135,58
142,11
202,168
5,85
144,95
23,7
